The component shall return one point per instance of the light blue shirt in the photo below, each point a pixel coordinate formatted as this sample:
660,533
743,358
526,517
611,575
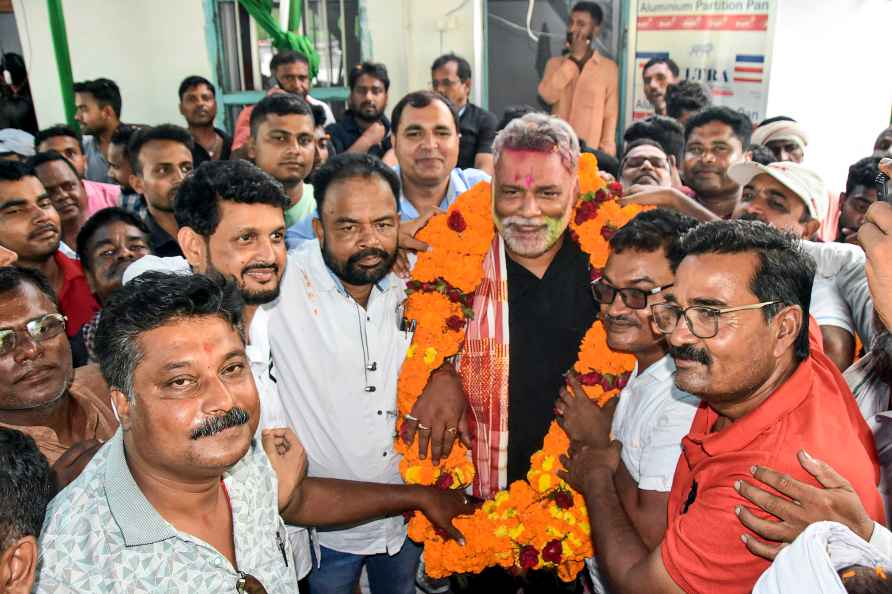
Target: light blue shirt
460,181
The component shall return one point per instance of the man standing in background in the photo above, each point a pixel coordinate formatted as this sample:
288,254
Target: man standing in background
451,77
98,111
198,104
658,74
291,71
364,128
582,86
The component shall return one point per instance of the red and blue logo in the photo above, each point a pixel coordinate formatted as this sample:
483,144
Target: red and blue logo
749,68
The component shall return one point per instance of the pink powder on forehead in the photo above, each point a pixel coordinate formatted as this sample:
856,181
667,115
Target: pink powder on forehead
527,152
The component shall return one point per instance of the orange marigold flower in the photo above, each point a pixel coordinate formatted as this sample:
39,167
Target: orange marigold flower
525,519
589,178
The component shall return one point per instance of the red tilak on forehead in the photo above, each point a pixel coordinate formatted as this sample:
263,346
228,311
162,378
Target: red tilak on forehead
525,155
527,179
208,347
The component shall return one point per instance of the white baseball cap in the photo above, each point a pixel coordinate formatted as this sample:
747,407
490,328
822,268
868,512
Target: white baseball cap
802,181
16,141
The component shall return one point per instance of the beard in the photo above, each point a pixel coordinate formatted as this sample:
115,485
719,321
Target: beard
351,273
532,246
163,203
250,297
367,112
201,119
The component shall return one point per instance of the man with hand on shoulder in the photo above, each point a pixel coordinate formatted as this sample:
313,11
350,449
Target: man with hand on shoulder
740,287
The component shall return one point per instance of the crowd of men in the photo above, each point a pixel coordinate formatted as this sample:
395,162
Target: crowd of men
202,335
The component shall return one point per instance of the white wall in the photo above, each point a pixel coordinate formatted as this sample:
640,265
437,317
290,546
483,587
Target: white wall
406,36
149,46
146,46
830,72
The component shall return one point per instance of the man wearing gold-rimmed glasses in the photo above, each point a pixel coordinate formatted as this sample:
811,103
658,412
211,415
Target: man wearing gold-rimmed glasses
737,324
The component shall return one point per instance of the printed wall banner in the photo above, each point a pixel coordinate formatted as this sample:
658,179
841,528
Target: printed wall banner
724,44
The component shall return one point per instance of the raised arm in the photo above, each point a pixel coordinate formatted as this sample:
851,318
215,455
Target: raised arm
558,74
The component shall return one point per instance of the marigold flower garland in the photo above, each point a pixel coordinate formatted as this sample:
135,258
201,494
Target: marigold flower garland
540,522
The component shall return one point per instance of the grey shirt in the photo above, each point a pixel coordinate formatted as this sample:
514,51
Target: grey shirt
102,535
97,166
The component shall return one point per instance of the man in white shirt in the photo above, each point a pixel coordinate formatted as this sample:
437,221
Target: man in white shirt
231,225
338,346
652,415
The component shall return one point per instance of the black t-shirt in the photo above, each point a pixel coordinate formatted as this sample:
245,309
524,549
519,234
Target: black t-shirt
478,130
200,155
547,319
163,245
347,131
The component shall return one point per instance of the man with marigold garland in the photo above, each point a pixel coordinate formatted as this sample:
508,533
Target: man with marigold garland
652,415
740,287
531,311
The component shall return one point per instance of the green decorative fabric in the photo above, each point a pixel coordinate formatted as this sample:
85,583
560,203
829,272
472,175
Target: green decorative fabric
262,12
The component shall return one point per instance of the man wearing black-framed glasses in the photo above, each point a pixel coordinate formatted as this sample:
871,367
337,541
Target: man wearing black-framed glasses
651,415
741,341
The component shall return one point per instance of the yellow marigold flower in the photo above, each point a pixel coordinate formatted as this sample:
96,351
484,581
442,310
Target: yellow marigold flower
502,531
544,483
430,355
515,532
548,463
413,474
411,352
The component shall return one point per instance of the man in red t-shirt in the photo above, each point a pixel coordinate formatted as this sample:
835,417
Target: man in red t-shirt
29,226
737,325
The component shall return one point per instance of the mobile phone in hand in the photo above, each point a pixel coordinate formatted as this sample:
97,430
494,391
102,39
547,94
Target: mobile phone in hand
881,181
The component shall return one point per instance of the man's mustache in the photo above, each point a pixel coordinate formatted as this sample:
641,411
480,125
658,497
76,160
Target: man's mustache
261,266
689,353
620,319
213,425
367,253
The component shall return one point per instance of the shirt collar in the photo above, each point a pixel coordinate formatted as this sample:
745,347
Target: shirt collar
157,235
660,371
739,434
139,521
457,185
71,269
